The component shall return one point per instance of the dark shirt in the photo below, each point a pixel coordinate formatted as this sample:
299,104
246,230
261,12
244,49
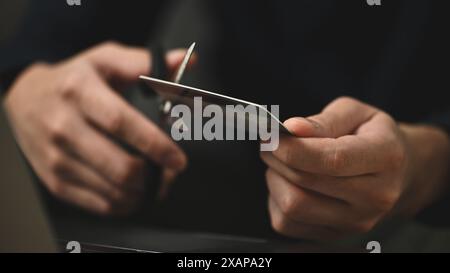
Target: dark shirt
298,54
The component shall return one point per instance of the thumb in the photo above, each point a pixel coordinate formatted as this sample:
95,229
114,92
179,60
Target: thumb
341,117
119,62
115,61
174,59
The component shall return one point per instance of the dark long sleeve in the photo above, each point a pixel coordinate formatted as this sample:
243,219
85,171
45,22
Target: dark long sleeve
52,30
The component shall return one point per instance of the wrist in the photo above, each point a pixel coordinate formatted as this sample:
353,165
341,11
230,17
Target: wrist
427,173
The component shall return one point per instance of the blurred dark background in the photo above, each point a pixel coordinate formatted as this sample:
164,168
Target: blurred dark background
180,24
10,13
184,22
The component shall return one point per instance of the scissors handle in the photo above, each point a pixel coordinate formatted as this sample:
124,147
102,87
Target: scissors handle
158,70
158,66
158,61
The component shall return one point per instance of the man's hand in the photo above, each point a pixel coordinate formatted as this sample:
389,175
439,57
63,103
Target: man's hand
65,115
350,167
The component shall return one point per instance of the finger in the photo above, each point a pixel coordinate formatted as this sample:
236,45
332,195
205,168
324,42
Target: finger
76,172
101,154
327,185
355,190
175,58
350,155
126,63
306,206
290,228
112,114
167,181
341,117
121,204
117,61
81,197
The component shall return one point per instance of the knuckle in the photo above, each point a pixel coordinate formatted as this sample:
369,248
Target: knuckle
385,202
70,85
298,179
278,223
110,45
345,100
36,69
131,167
363,226
335,161
58,129
388,119
38,66
114,122
106,48
55,187
289,205
107,208
55,162
288,154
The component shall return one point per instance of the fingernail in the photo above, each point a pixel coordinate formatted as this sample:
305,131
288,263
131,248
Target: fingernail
301,127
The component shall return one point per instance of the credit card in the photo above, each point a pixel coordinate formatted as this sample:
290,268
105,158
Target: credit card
182,94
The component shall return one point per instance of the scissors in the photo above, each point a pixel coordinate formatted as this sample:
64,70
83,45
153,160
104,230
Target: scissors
172,92
160,71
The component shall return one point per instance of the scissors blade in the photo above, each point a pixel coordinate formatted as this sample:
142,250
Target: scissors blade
183,64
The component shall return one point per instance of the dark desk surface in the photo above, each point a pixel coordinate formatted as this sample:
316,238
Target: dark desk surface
163,240
393,237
